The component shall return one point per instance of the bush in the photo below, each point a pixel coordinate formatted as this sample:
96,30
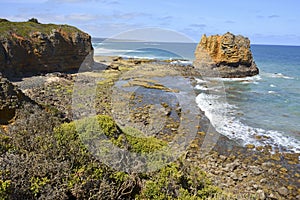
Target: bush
178,182
34,20
4,189
3,20
48,160
141,144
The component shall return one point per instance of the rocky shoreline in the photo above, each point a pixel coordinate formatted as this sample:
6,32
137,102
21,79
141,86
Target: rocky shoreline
243,172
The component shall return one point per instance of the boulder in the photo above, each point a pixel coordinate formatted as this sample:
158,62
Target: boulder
11,98
28,48
226,56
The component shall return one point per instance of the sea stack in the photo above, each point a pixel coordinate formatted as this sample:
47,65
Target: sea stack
226,56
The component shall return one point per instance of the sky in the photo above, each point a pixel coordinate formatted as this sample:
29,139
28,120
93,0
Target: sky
262,21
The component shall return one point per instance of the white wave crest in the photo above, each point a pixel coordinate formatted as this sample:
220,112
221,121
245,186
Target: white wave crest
277,75
101,51
245,79
181,62
222,117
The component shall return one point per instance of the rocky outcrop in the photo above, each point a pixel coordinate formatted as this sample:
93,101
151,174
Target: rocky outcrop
226,56
29,48
11,98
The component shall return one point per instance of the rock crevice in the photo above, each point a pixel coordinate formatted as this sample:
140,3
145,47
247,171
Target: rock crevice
11,99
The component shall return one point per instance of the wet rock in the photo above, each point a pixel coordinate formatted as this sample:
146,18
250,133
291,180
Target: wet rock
283,191
255,170
263,181
232,166
234,176
113,66
117,58
272,196
255,186
250,146
261,194
267,165
223,158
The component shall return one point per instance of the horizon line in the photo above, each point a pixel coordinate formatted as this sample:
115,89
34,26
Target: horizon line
131,40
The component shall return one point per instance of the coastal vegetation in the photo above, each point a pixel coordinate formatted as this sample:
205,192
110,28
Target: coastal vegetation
42,163
25,29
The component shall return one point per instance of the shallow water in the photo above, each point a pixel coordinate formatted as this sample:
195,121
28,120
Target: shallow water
263,109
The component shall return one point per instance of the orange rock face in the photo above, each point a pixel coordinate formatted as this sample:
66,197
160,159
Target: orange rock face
227,55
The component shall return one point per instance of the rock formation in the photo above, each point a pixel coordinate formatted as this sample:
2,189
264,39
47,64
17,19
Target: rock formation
11,98
226,56
28,48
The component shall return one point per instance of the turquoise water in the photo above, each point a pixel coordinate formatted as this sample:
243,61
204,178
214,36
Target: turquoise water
274,101
264,109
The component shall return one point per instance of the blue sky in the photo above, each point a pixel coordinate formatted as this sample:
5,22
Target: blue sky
263,21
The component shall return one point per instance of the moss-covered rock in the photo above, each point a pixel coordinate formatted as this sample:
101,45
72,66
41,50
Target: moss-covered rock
140,143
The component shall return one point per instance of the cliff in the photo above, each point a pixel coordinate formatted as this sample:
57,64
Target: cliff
30,47
227,56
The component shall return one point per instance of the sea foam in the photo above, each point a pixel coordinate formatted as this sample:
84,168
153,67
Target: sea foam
225,118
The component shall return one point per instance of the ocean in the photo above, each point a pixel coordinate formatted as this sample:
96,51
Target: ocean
260,110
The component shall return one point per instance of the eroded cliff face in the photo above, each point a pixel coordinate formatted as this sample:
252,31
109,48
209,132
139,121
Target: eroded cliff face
28,48
227,56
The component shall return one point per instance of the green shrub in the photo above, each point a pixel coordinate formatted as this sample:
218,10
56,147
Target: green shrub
178,182
34,20
3,20
37,183
5,143
4,189
24,29
108,126
70,145
139,143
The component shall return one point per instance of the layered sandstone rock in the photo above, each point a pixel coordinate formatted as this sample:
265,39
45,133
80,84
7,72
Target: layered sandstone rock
28,48
227,56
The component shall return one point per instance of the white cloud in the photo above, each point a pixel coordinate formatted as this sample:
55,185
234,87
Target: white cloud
154,34
81,17
108,30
